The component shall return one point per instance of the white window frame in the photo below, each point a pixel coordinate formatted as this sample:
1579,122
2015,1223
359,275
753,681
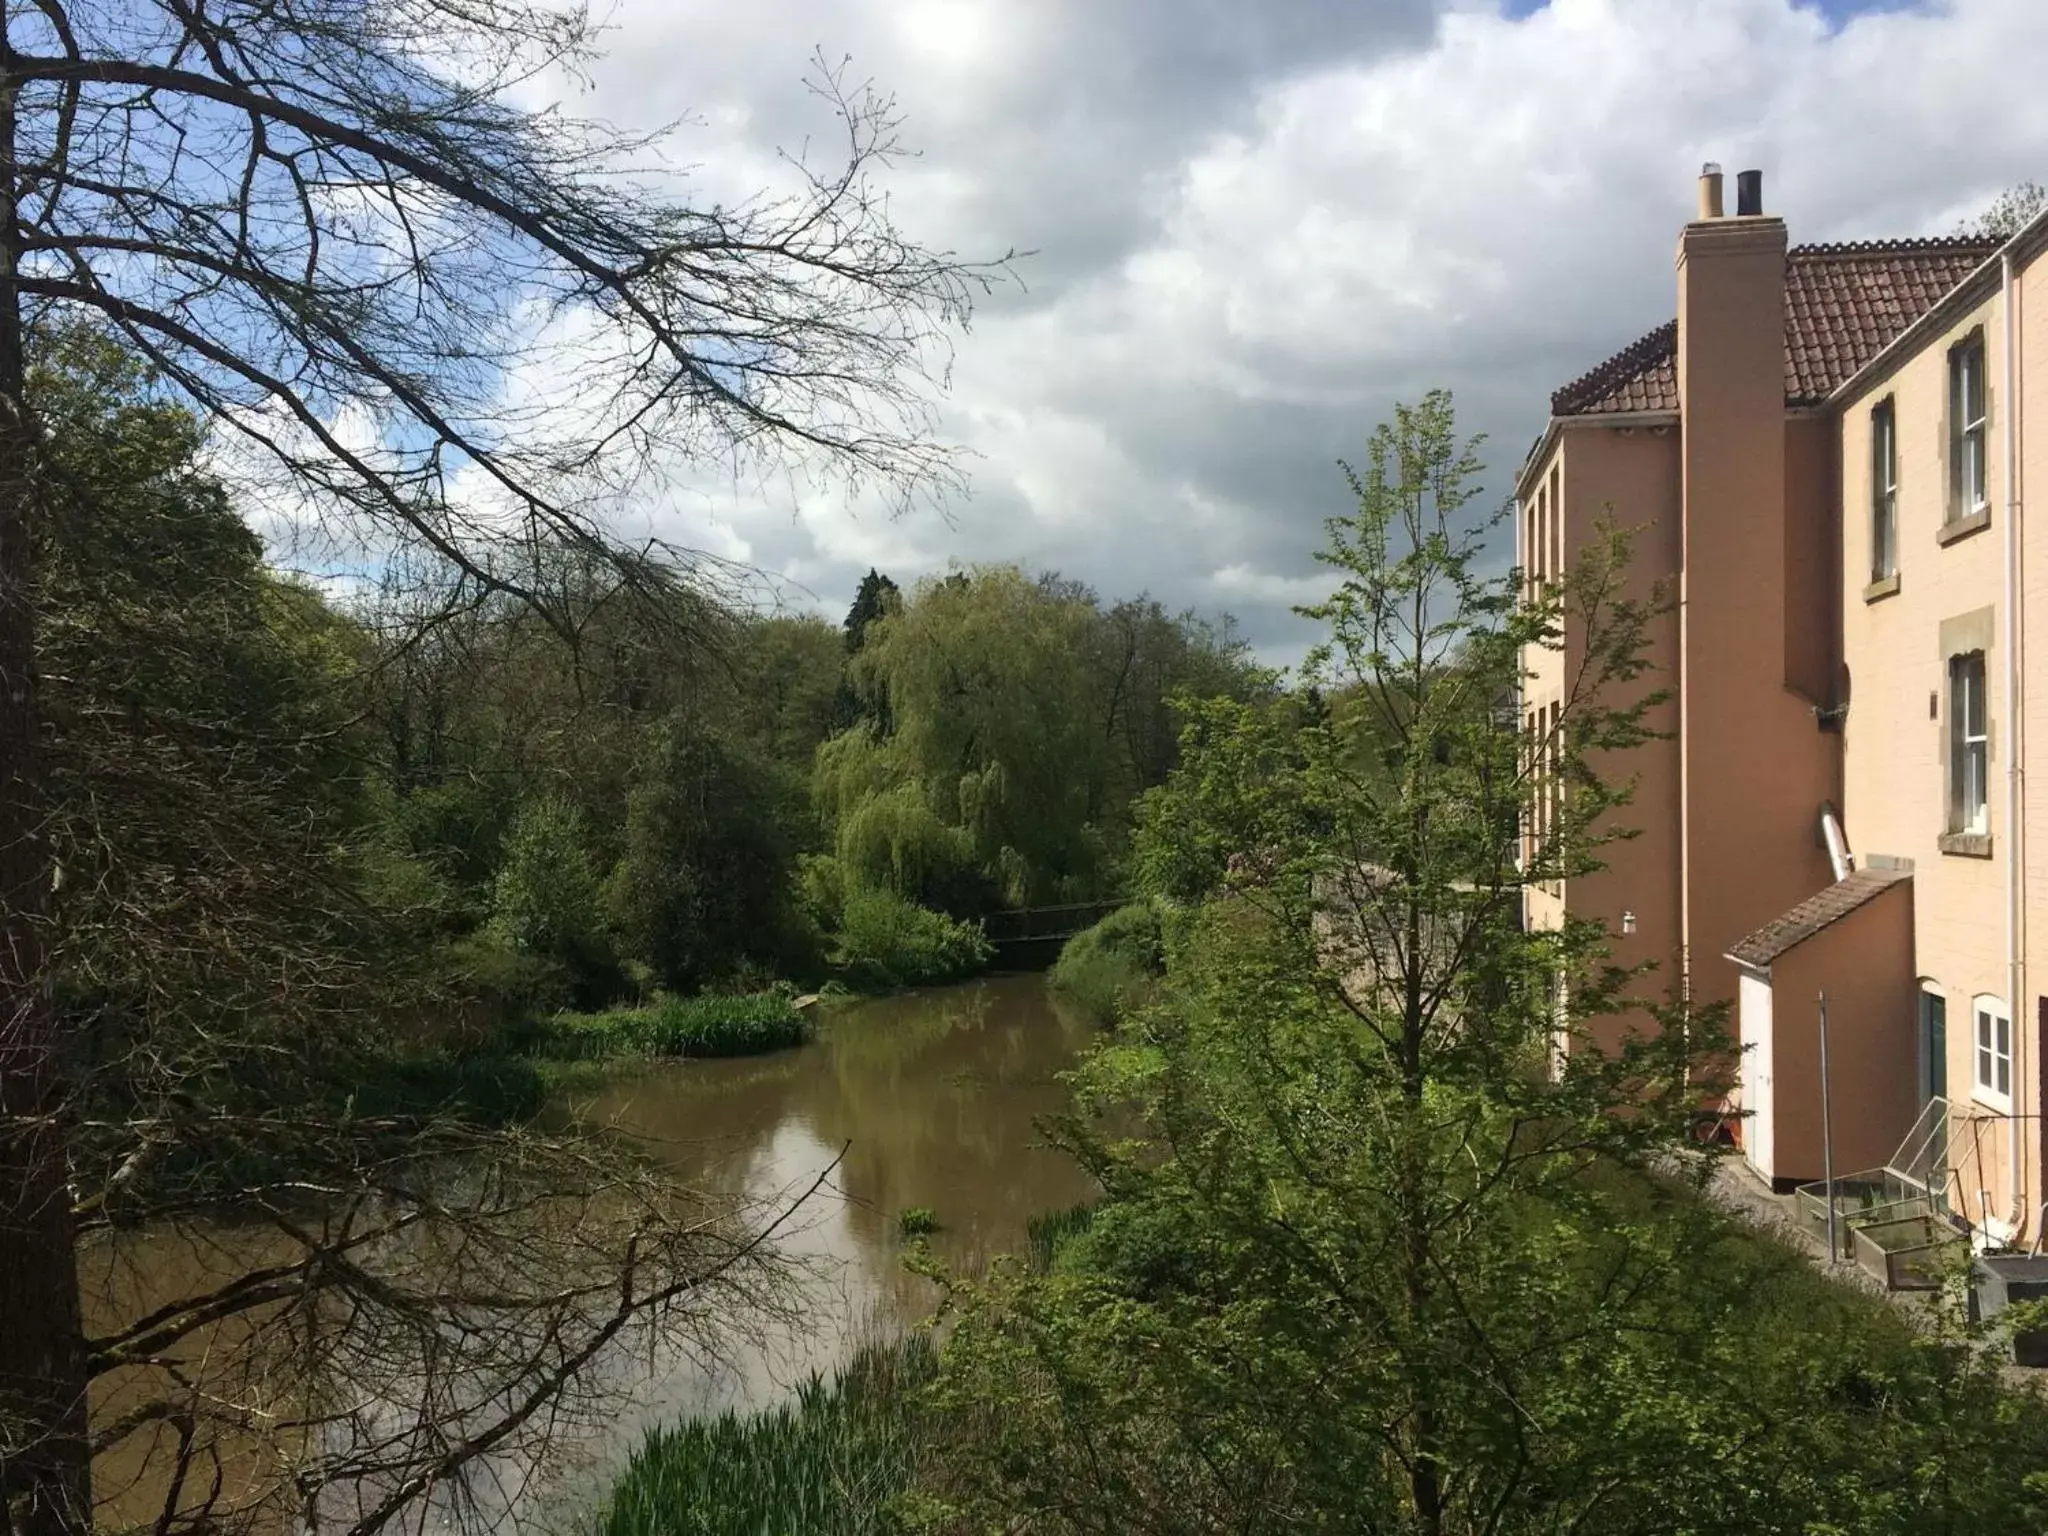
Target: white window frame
1970,470
1884,490
1969,754
1991,1052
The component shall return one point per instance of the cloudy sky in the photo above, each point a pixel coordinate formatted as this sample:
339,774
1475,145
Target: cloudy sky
1258,223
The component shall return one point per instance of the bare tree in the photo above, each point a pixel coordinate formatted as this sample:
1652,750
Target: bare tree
440,322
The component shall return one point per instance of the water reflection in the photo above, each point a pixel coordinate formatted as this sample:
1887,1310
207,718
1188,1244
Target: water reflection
927,1099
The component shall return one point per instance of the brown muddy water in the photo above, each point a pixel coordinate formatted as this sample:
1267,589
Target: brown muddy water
929,1099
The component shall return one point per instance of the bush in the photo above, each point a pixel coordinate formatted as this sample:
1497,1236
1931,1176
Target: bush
917,1221
838,1461
1112,966
885,941
546,902
509,984
682,1026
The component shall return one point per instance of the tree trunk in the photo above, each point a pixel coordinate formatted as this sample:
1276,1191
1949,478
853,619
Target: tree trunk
45,1481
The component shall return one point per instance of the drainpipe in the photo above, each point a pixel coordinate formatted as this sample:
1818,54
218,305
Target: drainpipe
2015,773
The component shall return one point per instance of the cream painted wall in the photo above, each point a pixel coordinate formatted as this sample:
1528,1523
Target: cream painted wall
1894,784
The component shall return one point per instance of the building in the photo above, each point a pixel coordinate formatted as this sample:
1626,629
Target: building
1826,452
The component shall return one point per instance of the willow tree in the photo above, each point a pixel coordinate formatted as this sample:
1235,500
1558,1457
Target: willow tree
429,318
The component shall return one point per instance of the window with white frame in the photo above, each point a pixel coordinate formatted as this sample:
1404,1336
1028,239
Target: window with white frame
1969,487
1884,492
1969,746
1991,1053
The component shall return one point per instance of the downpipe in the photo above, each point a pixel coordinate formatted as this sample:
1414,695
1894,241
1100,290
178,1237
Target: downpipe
2015,754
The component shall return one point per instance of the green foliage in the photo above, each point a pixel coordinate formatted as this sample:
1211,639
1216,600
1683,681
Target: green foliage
1012,723
706,881
2008,213
890,837
1365,1260
838,1461
886,942
749,1025
546,901
1113,966
917,1221
1053,1237
858,702
785,679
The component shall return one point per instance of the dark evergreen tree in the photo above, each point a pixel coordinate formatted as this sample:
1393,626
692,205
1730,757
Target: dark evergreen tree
877,598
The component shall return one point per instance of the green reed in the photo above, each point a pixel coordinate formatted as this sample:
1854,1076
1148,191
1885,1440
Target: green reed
838,1460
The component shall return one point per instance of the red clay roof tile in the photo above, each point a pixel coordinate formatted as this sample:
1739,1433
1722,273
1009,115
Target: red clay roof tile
1843,305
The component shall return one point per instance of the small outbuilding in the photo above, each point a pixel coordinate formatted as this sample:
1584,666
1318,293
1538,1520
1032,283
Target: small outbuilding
1852,942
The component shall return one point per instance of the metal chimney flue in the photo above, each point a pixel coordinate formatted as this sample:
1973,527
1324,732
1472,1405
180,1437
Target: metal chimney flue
1710,191
1749,194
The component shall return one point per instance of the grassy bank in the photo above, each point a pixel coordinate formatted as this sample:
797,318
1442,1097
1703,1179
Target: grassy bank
1113,966
677,1026
840,1460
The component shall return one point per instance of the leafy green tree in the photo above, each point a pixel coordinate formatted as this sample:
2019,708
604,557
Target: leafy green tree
707,884
785,677
1369,1257
876,599
208,814
1023,720
547,901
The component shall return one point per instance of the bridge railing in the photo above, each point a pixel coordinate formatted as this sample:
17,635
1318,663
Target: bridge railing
1062,921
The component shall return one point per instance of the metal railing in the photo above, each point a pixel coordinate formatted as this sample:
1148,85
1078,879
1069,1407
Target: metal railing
1938,1188
1029,924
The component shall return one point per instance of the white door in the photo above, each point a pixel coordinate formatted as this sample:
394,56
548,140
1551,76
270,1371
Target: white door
1758,1143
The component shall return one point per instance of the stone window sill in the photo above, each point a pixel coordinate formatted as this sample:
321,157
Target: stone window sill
1884,586
1968,845
1963,527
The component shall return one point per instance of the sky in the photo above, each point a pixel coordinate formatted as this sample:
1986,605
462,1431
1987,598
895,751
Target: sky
1257,224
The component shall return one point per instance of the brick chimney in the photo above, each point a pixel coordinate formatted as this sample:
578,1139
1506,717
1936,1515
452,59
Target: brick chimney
1731,392
1749,780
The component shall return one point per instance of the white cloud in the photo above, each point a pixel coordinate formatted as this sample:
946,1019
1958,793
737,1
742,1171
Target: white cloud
1259,226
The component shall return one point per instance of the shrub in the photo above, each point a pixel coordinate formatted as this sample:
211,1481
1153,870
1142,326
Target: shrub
508,983
917,1221
682,1026
885,941
1112,966
546,902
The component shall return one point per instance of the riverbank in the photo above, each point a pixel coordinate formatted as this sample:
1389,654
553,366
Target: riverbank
1841,1382
700,1027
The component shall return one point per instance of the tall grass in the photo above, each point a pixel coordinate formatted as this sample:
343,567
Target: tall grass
1051,1233
679,1026
837,1461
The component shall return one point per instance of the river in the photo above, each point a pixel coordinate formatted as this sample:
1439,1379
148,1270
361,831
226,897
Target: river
927,1099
